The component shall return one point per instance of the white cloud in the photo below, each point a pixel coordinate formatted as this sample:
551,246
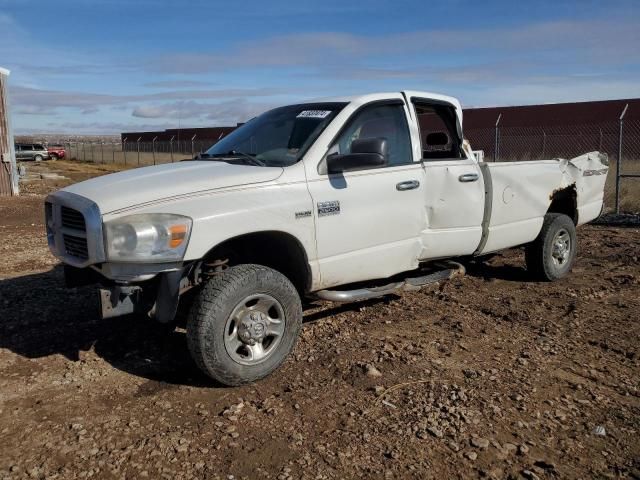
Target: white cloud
23,97
559,42
227,112
176,84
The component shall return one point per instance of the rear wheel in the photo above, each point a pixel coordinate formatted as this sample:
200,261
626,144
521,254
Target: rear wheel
243,324
552,254
53,156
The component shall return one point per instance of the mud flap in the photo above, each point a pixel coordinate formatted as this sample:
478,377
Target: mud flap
166,307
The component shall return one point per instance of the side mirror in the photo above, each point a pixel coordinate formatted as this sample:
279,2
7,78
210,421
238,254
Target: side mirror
365,153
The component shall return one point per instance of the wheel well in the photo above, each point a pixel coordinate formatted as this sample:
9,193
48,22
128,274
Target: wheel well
278,250
565,201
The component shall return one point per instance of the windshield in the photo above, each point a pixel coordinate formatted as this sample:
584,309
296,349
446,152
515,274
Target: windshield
279,137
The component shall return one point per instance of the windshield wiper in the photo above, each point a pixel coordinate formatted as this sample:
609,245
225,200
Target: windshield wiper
249,157
235,154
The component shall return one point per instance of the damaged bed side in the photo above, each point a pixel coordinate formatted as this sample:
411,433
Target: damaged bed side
519,194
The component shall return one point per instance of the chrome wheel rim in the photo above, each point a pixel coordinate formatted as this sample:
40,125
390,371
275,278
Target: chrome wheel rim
254,329
561,248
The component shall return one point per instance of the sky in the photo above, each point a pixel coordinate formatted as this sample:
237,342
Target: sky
102,67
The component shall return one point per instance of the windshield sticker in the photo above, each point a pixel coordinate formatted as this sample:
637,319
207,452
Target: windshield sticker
314,114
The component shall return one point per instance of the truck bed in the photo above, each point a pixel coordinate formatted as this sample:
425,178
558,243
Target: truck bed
518,194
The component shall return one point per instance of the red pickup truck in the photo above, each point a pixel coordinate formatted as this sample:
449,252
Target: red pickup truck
56,151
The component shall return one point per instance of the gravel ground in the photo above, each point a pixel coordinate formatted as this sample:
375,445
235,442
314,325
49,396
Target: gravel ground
490,375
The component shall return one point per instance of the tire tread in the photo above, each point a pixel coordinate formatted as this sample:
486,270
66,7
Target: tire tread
537,254
214,298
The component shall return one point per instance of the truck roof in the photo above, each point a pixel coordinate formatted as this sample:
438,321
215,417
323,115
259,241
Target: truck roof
372,97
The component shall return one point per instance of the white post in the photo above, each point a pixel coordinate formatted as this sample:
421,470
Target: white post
7,147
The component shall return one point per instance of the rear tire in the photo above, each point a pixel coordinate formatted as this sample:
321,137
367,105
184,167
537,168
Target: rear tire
53,156
552,254
243,324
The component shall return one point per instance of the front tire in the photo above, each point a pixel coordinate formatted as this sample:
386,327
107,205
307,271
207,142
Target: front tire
38,158
243,324
552,254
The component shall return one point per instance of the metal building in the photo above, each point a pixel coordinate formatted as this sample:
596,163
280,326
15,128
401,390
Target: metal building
8,172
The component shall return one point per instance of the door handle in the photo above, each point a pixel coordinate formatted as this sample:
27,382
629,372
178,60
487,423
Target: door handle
468,177
408,185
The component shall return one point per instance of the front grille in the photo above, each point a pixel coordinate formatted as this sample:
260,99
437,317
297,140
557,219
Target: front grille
74,229
76,246
72,219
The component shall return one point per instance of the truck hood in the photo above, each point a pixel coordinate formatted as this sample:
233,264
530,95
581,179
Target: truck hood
174,180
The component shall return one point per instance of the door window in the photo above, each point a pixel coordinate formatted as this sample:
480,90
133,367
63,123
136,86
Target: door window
379,121
438,131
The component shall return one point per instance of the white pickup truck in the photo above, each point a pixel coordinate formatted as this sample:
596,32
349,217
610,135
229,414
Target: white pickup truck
335,199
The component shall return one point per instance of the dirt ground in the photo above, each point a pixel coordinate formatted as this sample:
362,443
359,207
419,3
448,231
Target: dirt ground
490,375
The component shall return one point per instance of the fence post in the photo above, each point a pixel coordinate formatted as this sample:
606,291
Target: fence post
497,145
171,147
600,144
113,153
619,162
193,154
153,148
138,142
124,149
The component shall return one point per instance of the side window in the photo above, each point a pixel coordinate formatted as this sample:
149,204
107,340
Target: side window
438,132
381,121
28,148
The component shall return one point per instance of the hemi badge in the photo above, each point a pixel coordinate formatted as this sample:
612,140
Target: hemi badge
306,213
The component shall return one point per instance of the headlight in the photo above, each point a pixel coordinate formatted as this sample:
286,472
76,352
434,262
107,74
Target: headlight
147,237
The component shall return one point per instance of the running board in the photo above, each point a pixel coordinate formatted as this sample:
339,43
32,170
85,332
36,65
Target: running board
408,284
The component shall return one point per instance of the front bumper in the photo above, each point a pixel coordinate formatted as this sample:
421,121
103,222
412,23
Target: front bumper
157,298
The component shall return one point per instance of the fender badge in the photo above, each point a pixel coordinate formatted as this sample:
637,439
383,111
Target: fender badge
591,173
304,214
328,208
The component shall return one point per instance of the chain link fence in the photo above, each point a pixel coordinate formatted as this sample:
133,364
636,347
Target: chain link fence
135,153
619,139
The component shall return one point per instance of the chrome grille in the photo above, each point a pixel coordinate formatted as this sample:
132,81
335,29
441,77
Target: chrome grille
76,246
72,219
74,229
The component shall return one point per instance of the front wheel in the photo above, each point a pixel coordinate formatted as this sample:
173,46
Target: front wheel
243,324
38,158
552,254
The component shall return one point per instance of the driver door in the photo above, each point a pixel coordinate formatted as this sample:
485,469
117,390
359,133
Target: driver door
369,221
